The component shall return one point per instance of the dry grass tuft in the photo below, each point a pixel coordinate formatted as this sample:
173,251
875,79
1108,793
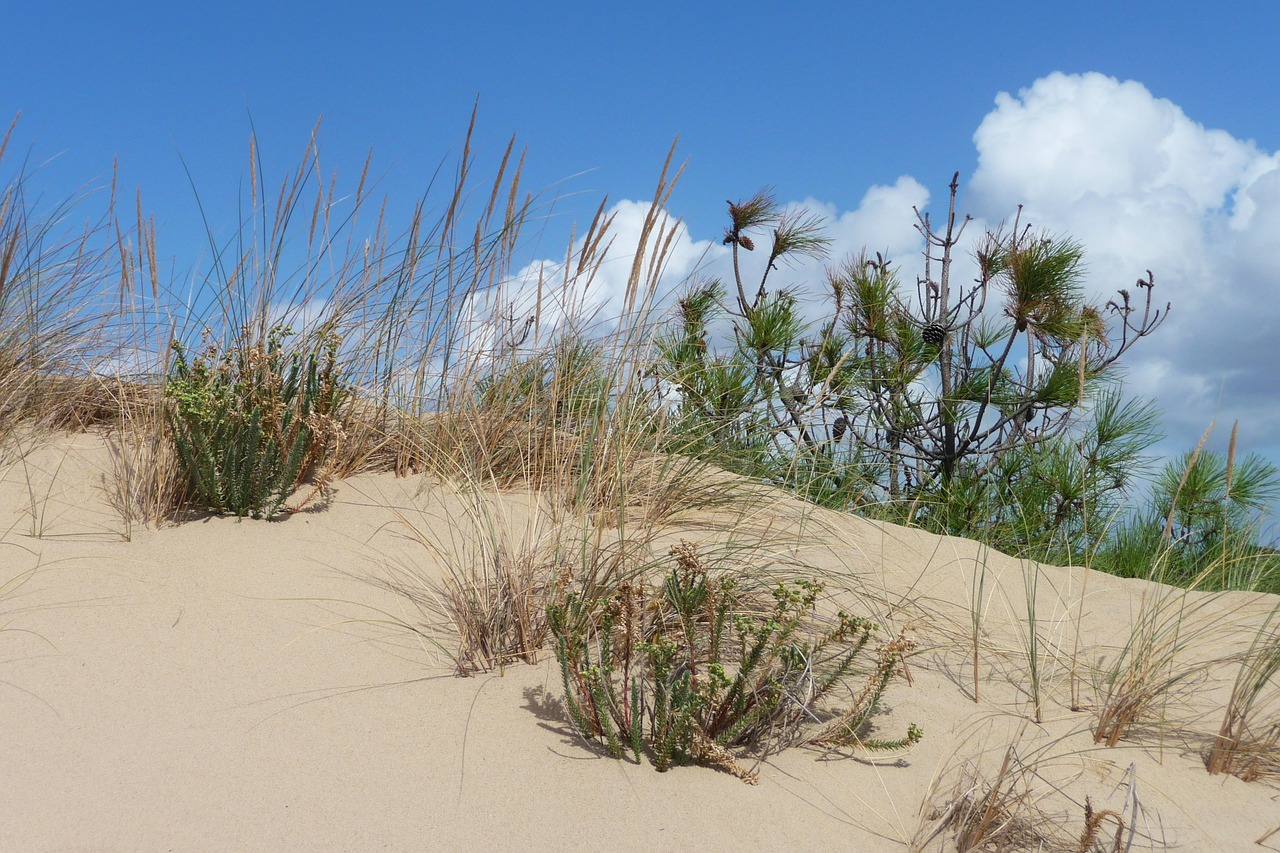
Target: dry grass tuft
1248,741
1022,802
54,312
497,572
996,813
1155,660
147,483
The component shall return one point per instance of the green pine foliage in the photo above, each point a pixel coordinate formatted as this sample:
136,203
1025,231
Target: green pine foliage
1201,526
250,420
991,409
925,409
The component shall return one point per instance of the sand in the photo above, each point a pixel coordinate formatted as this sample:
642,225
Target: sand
243,685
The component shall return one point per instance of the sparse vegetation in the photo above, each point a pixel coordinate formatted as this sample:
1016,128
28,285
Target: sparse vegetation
411,357
701,667
1010,794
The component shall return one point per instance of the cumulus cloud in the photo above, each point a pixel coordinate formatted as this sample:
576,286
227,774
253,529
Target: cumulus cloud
1067,137
882,222
1143,186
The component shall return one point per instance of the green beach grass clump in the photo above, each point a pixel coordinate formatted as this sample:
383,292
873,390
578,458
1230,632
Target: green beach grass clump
698,669
250,420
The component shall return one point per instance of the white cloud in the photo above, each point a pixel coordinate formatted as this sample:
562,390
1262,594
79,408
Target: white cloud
1067,137
1143,186
882,222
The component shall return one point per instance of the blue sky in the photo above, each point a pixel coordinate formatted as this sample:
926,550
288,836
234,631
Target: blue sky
824,100
1147,130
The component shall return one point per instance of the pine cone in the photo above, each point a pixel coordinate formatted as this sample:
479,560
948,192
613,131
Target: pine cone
934,334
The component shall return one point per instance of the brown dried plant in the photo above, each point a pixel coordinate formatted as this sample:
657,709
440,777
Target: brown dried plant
1022,803
1093,822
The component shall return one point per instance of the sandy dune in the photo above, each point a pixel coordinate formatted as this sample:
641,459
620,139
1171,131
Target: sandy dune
238,685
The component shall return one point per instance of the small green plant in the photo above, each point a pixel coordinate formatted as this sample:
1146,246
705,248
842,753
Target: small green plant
1032,642
698,669
250,420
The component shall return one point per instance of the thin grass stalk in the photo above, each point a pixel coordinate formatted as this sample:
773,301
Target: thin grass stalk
1074,675
977,608
1226,500
1031,590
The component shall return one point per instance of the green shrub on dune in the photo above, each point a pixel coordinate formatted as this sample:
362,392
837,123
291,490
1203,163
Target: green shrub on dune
249,420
